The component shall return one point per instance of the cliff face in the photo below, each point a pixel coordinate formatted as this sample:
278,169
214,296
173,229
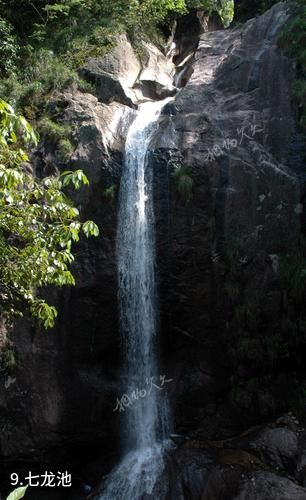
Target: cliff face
222,254
223,244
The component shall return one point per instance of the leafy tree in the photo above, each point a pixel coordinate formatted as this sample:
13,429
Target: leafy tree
224,7
203,4
227,11
8,46
38,224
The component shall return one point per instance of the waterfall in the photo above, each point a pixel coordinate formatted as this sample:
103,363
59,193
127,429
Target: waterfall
147,418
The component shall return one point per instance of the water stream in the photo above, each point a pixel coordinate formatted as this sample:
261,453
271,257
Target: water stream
147,419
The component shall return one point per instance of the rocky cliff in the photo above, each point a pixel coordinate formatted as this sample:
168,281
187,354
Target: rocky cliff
229,225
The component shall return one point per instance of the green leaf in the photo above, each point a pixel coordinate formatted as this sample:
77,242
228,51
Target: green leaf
90,229
76,178
18,493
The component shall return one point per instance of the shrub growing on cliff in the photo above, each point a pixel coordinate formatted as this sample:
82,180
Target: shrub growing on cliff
53,131
293,40
38,224
184,182
8,46
64,150
41,73
110,193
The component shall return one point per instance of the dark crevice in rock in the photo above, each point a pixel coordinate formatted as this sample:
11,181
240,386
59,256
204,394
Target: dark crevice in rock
185,41
220,207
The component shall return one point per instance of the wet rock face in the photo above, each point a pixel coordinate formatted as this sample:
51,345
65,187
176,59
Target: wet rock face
223,252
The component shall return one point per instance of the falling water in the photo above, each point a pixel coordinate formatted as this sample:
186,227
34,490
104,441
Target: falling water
147,420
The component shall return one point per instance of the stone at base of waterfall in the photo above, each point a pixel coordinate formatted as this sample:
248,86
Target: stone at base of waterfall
255,485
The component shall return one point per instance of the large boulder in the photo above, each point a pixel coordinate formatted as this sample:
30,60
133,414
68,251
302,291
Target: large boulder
155,81
234,469
279,446
121,76
258,485
115,73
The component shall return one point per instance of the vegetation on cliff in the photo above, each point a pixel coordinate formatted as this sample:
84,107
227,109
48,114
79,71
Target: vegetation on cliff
293,42
38,224
43,43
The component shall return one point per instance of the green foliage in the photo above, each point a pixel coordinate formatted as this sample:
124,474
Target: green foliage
90,229
224,7
293,42
184,182
38,225
293,37
77,178
8,46
69,19
11,125
52,130
48,69
227,12
110,193
208,5
18,493
64,150
59,134
47,314
7,358
56,37
42,73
